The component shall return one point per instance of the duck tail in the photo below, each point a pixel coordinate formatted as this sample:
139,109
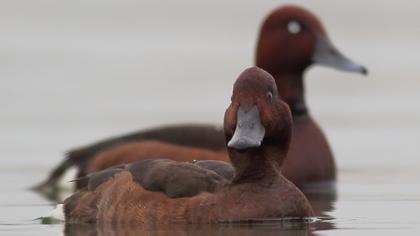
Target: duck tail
54,177
74,159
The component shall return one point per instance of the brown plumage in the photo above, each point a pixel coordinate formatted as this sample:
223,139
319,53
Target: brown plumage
257,128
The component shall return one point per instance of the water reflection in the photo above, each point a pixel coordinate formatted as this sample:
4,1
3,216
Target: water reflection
270,227
322,196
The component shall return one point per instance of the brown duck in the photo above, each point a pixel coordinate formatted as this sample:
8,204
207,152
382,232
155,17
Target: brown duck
258,129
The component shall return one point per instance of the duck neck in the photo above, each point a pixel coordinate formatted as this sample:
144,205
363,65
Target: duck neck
291,89
253,166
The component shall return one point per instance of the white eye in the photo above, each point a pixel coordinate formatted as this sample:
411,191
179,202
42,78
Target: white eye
294,27
270,97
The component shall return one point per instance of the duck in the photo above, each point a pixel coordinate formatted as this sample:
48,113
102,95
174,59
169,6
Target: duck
257,128
291,40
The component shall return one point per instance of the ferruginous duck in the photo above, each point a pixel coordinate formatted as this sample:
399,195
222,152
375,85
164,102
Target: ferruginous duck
257,128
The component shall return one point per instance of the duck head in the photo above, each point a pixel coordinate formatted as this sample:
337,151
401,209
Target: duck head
292,38
257,125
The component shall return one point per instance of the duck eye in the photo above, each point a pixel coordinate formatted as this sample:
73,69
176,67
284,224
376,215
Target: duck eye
270,97
294,27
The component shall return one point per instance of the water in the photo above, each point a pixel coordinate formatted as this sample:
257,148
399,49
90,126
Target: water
76,71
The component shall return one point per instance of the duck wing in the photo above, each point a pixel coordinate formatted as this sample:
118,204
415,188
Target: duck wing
175,179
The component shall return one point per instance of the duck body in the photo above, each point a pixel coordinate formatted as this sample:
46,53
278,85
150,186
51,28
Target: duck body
265,198
310,158
257,128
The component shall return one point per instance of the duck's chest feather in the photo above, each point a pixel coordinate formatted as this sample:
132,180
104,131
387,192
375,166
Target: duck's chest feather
123,201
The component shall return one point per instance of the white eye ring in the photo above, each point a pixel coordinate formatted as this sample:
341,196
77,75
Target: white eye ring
294,27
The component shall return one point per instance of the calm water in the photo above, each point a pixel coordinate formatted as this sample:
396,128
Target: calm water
76,71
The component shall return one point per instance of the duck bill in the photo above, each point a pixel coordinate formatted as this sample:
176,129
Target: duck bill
328,55
249,131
